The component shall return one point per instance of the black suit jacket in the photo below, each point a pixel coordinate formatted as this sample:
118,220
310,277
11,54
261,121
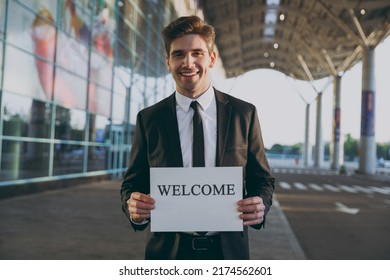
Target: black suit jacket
156,143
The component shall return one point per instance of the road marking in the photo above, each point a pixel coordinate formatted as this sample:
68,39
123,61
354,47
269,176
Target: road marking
331,188
362,189
380,190
337,188
316,187
345,209
300,186
285,185
347,189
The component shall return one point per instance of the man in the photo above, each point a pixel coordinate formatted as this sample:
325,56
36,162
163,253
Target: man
164,138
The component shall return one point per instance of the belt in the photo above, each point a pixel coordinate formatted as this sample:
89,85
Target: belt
201,243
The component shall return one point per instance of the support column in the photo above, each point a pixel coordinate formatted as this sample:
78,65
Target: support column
306,147
319,148
367,150
336,124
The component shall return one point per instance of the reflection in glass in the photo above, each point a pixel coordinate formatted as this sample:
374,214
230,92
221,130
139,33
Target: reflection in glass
37,5
72,54
70,90
104,28
20,66
2,20
99,100
119,103
1,60
98,129
36,34
25,117
97,158
76,18
22,160
68,159
70,124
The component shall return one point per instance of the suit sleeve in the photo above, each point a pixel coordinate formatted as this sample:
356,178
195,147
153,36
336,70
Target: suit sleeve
136,178
259,181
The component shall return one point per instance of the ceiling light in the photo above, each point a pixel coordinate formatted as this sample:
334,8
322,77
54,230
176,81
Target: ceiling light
272,64
282,17
276,46
266,54
362,12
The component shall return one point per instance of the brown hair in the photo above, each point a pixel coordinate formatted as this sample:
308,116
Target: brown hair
185,26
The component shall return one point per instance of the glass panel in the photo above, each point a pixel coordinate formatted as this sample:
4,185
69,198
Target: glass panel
34,33
104,28
118,110
99,129
99,100
26,117
20,66
97,158
1,60
124,41
72,55
70,124
68,159
70,90
76,18
23,160
101,70
39,5
2,19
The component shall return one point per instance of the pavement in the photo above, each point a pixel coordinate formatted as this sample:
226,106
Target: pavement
85,222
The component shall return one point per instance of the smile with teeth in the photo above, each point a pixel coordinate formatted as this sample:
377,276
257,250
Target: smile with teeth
188,74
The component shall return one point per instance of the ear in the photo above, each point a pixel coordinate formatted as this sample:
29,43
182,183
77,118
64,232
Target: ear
167,62
213,57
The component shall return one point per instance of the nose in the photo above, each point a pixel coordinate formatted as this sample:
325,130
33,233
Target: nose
188,61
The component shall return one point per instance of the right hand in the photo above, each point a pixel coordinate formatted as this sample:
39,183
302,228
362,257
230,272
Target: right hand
139,206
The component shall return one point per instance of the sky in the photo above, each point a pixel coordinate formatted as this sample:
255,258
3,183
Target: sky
281,108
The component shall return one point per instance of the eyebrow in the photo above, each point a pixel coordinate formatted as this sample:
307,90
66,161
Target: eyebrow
193,50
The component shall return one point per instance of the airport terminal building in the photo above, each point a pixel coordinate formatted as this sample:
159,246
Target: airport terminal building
73,76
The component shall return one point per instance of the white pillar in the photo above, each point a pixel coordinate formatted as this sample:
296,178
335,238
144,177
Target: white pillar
319,151
336,124
367,161
306,147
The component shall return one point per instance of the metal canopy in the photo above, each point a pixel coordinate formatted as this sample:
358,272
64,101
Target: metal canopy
305,39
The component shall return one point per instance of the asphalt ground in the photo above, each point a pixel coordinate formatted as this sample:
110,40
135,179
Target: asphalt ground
85,222
348,221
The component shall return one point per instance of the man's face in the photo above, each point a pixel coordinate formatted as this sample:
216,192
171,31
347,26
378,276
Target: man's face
189,61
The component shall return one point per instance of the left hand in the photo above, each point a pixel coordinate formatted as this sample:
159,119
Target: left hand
253,210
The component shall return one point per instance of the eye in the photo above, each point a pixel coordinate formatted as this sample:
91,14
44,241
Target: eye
177,54
197,53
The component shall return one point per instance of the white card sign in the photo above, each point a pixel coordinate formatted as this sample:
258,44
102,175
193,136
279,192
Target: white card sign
196,199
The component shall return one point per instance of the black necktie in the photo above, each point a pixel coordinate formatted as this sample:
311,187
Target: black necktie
197,143
198,139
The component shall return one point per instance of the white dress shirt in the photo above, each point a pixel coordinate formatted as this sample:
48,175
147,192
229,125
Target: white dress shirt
208,113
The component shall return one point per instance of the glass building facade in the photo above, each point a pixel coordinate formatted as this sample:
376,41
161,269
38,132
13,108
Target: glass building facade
73,76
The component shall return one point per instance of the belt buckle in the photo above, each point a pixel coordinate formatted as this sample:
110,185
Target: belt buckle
194,243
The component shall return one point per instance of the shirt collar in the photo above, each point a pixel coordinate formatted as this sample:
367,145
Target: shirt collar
204,100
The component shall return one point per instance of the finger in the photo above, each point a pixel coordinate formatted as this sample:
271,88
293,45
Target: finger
136,206
251,208
250,200
253,222
142,197
139,217
252,218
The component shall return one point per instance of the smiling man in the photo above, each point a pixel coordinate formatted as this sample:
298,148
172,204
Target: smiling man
166,135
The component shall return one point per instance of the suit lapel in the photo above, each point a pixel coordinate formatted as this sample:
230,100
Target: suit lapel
223,120
169,119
